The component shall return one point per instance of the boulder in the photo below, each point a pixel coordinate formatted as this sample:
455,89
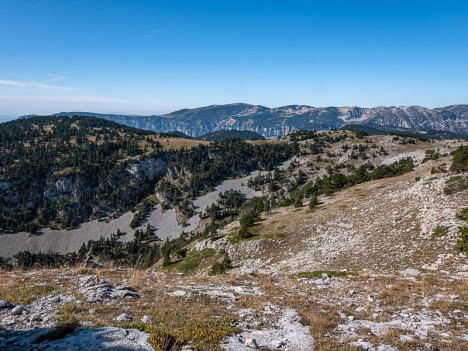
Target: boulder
5,304
18,310
251,342
123,318
147,320
411,271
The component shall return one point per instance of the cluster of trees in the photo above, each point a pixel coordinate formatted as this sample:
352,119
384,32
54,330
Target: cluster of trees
326,137
194,171
251,213
142,251
303,135
336,181
174,134
228,205
231,134
25,260
462,242
460,166
61,171
316,142
231,200
460,160
268,179
141,212
431,155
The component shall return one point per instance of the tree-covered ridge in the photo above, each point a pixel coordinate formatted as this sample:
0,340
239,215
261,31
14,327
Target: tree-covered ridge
193,171
325,163
61,171
231,134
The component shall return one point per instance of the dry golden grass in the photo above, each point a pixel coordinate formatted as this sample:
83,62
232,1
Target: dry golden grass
18,293
69,312
445,305
194,316
172,143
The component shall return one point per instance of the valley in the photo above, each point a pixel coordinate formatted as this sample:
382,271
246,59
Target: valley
233,175
322,240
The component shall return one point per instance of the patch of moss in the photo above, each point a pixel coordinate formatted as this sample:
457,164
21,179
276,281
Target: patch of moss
207,253
273,235
190,263
243,234
439,231
133,325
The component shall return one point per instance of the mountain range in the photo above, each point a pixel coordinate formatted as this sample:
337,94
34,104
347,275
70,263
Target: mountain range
275,122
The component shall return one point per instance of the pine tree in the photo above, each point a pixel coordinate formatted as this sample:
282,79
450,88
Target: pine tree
313,202
298,201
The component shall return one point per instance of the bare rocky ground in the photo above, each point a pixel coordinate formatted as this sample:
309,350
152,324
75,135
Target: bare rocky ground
403,311
379,226
362,271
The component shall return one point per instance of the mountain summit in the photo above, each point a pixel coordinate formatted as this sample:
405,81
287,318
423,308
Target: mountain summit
275,122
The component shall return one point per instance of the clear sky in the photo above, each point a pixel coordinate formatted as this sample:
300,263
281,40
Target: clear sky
151,57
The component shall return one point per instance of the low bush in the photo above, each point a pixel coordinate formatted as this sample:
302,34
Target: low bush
462,242
463,214
439,231
221,267
455,184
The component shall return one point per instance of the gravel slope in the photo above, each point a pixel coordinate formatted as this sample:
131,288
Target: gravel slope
166,225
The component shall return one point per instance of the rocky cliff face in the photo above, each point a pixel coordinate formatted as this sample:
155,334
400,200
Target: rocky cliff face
275,122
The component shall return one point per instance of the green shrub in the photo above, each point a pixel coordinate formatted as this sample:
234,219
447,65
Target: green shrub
462,242
455,184
239,235
313,202
221,267
190,263
463,214
460,160
439,231
298,201
248,219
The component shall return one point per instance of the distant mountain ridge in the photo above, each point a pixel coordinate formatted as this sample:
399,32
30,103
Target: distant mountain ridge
275,122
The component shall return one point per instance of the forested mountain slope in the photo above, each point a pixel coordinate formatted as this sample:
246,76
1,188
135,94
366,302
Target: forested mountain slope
63,171
60,171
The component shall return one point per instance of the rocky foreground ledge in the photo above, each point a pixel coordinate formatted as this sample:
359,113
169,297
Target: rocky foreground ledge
123,309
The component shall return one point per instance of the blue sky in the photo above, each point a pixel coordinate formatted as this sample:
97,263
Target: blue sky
151,57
